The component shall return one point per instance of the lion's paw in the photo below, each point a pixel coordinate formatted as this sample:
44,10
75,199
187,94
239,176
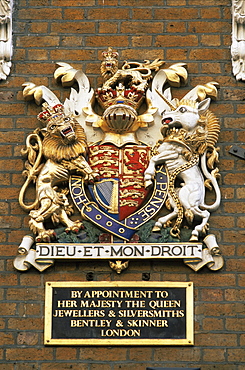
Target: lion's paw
76,227
46,236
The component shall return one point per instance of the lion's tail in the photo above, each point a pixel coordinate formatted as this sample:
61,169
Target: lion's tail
33,167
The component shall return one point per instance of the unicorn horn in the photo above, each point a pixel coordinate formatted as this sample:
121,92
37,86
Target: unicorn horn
166,100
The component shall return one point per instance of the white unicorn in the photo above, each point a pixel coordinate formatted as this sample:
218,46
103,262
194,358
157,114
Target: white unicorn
189,131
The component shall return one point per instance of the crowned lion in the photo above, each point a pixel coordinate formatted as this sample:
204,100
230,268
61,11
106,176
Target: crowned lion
53,153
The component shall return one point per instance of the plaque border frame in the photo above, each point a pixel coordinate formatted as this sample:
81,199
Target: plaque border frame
187,341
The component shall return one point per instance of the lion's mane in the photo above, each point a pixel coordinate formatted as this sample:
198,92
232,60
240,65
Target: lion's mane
56,149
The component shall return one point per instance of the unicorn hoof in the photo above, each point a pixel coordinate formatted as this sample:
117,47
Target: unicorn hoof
194,238
148,183
156,228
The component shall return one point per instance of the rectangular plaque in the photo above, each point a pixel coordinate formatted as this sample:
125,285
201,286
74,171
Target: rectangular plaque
186,250
113,313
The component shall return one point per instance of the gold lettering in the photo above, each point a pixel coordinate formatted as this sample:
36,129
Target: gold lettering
76,294
120,333
79,313
134,304
90,323
67,303
161,293
101,304
149,323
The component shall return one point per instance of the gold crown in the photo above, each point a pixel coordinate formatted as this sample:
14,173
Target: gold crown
131,97
109,54
49,112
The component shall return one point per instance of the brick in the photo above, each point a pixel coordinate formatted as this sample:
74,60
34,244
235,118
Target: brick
211,324
108,27
236,354
235,265
29,323
138,41
7,109
142,27
240,193
235,294
224,309
27,294
140,354
75,3
210,40
27,354
211,68
7,367
212,295
208,27
142,54
38,2
214,355
66,353
42,13
108,13
166,41
213,280
2,323
72,27
210,13
8,279
182,354
39,68
39,27
216,340
79,54
26,366
176,2
142,13
73,13
226,164
8,309
242,339
108,2
30,279
235,324
27,338
36,41
227,193
209,2
29,309
231,179
175,27
177,54
104,40
176,13
100,355
100,366
36,54
71,41
6,150
64,366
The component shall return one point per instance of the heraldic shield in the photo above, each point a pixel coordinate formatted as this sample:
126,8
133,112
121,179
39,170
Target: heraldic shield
130,157
120,190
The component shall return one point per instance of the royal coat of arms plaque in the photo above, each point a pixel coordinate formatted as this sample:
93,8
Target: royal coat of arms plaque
134,163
